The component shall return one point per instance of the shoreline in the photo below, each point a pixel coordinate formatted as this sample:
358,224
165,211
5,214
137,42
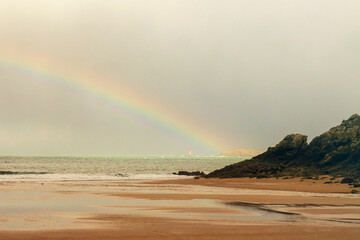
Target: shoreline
280,184
176,209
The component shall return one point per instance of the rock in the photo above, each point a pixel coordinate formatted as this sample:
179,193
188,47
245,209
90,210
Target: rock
335,152
290,147
348,180
292,143
339,144
186,173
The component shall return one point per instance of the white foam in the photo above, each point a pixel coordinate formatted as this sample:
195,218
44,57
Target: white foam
85,177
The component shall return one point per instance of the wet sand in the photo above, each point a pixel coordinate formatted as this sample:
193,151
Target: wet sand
294,184
144,228
178,209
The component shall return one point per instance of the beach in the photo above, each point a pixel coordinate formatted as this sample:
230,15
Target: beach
179,119
178,209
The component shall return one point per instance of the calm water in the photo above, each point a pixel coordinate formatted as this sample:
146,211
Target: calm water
107,167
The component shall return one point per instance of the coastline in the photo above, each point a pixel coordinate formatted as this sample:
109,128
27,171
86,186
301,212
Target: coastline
177,209
321,185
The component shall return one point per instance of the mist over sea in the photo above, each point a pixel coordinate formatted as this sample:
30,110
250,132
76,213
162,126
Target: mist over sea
107,168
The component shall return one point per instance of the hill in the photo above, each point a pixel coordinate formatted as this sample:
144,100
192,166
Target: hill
335,152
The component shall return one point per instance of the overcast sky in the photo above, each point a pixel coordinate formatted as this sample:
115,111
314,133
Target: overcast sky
249,71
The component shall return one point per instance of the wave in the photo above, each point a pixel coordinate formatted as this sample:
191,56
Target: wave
20,173
50,177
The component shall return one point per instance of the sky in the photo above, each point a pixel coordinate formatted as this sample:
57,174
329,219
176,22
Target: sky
233,74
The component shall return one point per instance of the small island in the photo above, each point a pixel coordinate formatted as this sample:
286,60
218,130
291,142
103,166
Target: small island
335,152
242,153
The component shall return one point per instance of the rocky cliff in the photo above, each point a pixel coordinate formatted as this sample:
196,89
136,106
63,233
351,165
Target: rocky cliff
335,152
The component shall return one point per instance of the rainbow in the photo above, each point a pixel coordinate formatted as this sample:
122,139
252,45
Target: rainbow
122,100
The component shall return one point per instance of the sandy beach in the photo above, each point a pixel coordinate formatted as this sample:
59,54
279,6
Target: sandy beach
179,119
179,209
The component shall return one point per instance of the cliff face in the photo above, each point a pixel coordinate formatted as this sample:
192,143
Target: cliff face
335,152
338,149
290,147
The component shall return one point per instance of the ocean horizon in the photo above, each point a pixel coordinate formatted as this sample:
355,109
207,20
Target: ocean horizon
27,168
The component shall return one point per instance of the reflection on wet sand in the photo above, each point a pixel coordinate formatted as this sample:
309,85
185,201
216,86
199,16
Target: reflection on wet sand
109,205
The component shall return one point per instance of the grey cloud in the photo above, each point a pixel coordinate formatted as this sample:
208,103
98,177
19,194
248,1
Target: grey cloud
250,71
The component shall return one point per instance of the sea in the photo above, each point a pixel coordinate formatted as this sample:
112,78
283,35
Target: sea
34,168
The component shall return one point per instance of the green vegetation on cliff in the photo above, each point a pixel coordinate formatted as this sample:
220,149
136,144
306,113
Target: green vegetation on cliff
335,152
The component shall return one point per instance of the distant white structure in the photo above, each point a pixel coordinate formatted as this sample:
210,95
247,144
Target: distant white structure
189,151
